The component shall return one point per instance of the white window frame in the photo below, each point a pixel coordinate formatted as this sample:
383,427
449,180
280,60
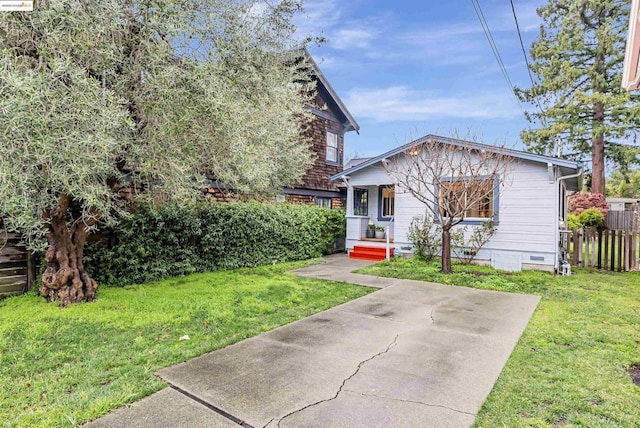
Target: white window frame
332,147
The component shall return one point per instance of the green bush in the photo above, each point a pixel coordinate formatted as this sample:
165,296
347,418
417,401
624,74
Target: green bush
591,217
152,244
425,236
573,222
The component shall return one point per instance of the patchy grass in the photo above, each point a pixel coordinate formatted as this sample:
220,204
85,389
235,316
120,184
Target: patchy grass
63,367
573,363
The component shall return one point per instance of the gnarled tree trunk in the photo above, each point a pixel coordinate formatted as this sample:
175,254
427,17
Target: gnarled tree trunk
65,278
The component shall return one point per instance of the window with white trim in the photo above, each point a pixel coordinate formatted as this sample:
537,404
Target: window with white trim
332,147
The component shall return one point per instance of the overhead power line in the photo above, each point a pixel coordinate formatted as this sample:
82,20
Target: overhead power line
494,48
526,60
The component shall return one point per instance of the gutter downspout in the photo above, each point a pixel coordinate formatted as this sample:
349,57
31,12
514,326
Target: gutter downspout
558,181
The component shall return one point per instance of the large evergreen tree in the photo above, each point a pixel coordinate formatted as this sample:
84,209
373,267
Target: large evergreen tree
101,95
578,60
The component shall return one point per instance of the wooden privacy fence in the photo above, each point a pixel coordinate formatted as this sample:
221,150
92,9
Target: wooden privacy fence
614,250
623,220
15,265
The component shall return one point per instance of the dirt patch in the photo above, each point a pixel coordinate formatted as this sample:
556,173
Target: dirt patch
634,372
562,421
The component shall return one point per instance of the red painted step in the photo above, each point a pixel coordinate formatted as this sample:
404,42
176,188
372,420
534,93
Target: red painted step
375,254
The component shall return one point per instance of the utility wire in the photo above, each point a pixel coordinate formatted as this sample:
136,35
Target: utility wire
526,60
494,48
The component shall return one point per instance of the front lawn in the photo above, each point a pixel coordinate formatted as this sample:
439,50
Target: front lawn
63,367
570,365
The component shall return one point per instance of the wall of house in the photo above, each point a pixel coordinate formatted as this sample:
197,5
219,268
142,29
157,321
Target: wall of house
317,177
527,214
371,176
527,217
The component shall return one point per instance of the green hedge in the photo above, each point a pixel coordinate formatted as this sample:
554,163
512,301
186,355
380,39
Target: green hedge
158,243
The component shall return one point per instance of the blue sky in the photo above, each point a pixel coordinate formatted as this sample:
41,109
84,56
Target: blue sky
408,68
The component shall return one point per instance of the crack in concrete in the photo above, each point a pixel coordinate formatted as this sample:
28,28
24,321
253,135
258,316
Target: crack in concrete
412,401
360,365
433,309
436,306
210,406
268,423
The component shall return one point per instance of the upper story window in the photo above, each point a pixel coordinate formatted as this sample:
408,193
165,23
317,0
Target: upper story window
332,147
467,198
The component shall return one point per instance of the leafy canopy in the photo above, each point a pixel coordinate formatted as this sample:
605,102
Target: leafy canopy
578,60
146,94
624,184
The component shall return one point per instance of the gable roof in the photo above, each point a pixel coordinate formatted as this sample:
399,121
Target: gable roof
355,161
334,99
518,154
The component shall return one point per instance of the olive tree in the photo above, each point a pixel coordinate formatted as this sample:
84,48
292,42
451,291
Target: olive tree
454,179
146,97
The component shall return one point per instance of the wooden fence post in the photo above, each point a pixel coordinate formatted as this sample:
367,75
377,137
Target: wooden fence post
599,248
620,249
576,248
606,248
627,252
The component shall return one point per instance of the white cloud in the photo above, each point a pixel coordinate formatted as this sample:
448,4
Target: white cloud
319,17
380,39
352,38
401,103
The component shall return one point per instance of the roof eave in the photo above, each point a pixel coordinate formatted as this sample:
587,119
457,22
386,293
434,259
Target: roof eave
511,152
351,125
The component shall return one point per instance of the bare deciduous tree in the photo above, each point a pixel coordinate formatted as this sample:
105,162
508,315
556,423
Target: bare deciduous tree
454,179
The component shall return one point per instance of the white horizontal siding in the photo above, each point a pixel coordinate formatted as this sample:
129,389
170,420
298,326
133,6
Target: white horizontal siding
527,212
375,175
407,207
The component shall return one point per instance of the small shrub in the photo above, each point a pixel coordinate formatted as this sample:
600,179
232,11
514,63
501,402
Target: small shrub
479,237
425,236
591,217
573,222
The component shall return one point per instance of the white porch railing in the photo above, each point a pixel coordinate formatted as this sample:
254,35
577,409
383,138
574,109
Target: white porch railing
388,229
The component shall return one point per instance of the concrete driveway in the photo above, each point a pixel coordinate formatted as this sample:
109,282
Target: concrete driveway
410,354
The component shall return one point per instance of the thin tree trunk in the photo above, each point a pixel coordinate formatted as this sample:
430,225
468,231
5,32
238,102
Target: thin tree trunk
597,151
446,251
64,278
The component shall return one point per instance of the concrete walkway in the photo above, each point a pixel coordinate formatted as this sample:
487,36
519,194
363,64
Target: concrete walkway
410,354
